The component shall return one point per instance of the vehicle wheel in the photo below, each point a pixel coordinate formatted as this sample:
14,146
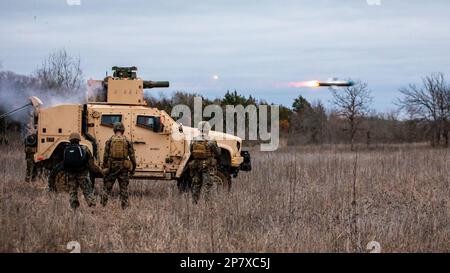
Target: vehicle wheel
225,177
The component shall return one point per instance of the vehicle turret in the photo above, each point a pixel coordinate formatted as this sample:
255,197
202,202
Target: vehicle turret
123,87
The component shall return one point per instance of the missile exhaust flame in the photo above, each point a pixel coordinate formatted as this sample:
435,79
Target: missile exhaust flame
304,84
330,83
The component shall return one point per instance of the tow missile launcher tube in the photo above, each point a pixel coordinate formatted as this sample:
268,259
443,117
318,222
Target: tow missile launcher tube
156,84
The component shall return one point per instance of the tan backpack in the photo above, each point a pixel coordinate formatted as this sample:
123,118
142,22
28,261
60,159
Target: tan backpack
118,147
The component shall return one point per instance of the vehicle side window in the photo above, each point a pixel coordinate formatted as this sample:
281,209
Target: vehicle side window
109,120
146,122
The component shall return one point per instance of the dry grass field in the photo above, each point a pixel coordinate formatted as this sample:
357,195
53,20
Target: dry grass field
294,200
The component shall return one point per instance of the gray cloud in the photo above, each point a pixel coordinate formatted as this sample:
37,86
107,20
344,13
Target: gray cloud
253,45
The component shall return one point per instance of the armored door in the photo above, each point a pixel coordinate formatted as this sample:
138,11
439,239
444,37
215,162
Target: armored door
151,145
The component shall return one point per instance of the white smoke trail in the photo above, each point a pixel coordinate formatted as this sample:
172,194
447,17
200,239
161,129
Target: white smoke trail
15,90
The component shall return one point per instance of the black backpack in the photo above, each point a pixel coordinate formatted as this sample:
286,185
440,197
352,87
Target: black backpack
75,158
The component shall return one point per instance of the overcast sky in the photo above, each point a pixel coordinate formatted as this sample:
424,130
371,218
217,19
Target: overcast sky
254,46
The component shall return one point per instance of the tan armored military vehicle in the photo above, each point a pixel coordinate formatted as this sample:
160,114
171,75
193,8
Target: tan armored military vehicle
161,152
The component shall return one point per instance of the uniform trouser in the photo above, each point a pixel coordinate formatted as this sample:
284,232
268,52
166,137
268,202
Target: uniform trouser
76,180
108,183
31,171
52,176
202,175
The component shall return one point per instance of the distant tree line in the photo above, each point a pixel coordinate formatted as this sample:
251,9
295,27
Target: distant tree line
351,119
311,123
423,112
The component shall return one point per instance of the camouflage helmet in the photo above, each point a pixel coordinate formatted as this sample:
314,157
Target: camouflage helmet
204,127
118,126
74,136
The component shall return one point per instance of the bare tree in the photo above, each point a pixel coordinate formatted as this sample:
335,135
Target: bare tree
61,72
353,104
430,103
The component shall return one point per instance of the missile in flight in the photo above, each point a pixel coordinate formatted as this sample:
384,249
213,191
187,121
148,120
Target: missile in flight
333,83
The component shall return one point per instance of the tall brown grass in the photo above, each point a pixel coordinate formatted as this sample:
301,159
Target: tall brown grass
294,200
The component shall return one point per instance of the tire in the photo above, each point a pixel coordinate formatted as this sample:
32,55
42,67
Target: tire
226,179
184,182
31,140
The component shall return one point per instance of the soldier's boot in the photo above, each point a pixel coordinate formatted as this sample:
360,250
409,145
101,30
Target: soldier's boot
195,198
89,197
207,193
51,181
196,194
124,204
104,199
88,192
123,188
207,196
74,204
106,192
90,200
51,188
124,198
34,175
28,174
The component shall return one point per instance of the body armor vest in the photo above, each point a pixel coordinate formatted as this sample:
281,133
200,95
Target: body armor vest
118,148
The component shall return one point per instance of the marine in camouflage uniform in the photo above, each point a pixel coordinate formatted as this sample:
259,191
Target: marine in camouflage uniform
30,145
119,163
203,166
80,178
31,170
